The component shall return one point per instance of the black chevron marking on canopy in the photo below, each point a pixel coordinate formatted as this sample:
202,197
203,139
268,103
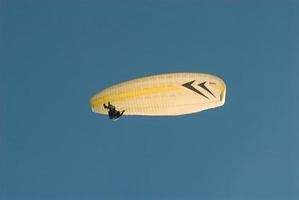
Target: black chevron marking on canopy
202,85
190,87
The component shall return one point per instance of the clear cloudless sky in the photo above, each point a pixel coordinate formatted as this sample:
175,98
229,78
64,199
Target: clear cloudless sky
55,55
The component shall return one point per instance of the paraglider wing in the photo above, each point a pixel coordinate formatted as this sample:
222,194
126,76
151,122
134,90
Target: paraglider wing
164,94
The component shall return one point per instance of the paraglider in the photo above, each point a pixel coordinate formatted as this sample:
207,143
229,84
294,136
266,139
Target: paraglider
161,95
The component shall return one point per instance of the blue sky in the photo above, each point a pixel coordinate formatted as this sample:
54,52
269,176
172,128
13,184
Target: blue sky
55,56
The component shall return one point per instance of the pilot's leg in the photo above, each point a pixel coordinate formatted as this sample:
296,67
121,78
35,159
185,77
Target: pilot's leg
120,113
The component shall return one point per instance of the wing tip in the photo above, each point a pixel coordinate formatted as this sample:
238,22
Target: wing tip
223,92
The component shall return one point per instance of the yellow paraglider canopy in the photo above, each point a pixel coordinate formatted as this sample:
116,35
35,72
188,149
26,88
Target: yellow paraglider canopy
164,94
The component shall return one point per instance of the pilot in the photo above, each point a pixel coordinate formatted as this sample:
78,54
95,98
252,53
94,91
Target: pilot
113,113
